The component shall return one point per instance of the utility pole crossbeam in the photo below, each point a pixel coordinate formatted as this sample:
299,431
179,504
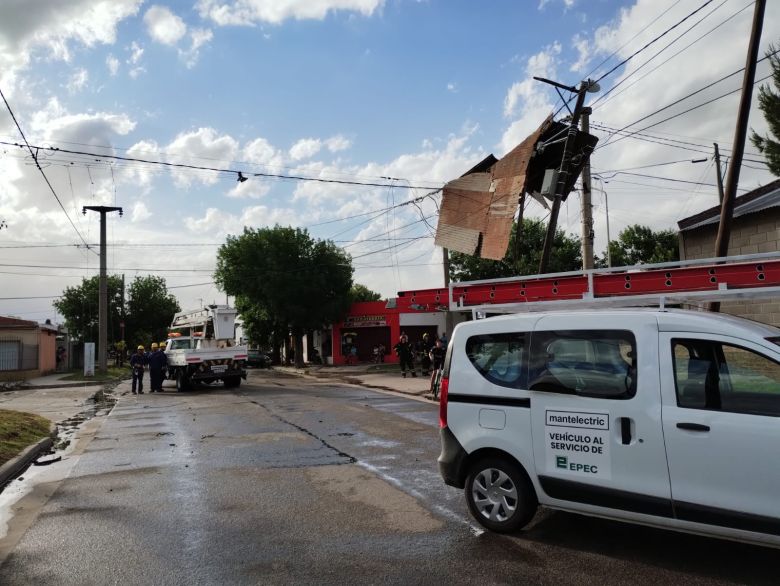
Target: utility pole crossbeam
563,173
103,296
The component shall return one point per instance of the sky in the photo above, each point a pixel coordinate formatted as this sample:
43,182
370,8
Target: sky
308,99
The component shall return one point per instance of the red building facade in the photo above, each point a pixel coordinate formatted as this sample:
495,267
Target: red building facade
372,323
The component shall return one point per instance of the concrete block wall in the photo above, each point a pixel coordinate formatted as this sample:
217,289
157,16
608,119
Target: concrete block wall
751,234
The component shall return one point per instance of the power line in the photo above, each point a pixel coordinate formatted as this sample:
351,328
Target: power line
35,158
241,175
665,61
651,42
691,109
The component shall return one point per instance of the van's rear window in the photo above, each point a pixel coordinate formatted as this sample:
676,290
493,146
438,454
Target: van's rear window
500,358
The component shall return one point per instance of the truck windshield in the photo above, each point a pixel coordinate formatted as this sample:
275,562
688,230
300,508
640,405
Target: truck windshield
181,344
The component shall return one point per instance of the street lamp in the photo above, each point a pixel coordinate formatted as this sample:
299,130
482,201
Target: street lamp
606,208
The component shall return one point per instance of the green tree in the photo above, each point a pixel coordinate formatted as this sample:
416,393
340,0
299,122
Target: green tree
769,103
301,282
79,306
260,328
638,244
150,309
362,293
566,256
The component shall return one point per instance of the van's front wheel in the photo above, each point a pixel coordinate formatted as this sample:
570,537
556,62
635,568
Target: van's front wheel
499,495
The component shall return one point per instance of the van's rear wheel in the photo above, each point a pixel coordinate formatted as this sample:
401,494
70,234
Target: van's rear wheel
499,495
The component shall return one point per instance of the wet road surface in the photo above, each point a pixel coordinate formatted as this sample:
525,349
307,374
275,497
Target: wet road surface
289,480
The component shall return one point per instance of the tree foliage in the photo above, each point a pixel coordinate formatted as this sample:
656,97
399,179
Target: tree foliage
640,244
79,306
769,103
150,310
362,293
293,279
147,314
565,256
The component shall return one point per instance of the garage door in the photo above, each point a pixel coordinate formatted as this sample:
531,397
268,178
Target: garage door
9,355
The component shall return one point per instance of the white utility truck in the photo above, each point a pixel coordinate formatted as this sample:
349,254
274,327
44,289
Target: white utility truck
201,348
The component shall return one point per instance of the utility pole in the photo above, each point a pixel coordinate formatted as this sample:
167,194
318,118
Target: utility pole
445,257
563,172
103,298
720,173
587,207
732,176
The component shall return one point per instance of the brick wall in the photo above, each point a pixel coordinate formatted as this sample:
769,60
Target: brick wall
750,234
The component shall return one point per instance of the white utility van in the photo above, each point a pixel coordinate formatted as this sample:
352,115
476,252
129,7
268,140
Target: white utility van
665,418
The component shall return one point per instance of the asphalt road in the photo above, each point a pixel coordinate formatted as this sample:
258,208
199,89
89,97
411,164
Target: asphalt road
290,480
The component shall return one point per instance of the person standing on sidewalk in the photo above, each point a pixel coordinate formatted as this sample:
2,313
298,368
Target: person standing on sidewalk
405,354
137,363
157,362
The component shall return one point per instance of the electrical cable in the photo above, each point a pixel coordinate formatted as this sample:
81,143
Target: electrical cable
43,174
236,172
656,39
660,51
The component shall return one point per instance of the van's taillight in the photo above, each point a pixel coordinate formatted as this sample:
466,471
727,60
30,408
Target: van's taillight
444,385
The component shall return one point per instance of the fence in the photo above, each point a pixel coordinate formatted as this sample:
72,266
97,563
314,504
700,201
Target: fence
16,355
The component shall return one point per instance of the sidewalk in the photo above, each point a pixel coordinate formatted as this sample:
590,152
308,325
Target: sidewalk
54,381
54,403
384,376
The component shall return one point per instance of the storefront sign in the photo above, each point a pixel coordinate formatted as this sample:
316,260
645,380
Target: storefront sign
363,321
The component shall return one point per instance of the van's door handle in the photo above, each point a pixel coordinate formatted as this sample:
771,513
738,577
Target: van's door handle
693,426
625,431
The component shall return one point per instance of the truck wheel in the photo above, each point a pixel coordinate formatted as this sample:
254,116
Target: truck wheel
182,382
232,382
499,495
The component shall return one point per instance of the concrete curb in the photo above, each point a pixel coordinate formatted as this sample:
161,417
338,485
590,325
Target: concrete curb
352,380
15,466
65,385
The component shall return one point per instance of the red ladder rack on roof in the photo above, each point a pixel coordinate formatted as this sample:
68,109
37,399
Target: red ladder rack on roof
756,275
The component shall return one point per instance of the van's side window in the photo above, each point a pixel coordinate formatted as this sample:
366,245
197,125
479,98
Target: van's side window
593,363
500,358
713,375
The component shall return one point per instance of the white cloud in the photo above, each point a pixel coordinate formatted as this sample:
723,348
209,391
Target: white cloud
48,28
529,93
220,223
198,38
452,87
338,143
136,52
584,53
164,26
140,212
305,148
203,143
250,12
113,64
252,188
53,123
261,152
78,80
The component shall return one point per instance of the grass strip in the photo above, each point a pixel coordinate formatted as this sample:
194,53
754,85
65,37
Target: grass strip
19,430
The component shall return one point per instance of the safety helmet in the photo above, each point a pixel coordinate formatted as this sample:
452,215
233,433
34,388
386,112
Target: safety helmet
154,345
163,344
140,348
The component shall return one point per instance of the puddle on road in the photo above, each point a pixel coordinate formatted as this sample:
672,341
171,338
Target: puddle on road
98,405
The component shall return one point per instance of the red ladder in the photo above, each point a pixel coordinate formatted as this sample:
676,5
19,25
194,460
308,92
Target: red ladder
708,276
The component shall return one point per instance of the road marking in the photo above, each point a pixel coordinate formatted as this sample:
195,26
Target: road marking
442,510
